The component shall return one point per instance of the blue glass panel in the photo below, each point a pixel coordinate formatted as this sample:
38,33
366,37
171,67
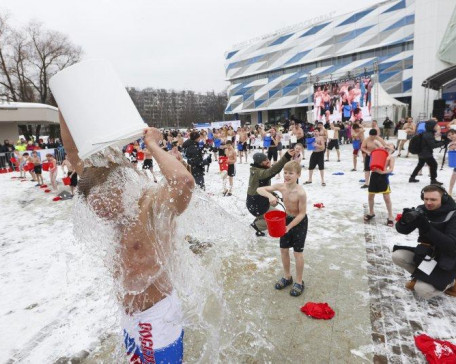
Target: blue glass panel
385,75
272,92
297,57
258,103
231,54
233,65
354,33
253,59
407,84
242,91
399,5
228,109
314,30
246,96
288,89
355,17
409,19
280,40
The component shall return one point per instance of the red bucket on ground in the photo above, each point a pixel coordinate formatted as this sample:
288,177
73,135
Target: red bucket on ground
140,156
46,166
276,221
29,167
66,181
378,159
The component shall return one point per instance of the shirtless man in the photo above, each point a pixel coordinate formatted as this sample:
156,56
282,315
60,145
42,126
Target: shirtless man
231,155
151,310
376,127
295,201
334,142
70,173
242,144
37,169
357,139
318,156
410,129
373,141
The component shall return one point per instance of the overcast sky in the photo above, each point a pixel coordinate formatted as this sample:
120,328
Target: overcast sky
171,44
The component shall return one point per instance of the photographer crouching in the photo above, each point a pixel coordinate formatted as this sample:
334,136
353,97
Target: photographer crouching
432,262
194,155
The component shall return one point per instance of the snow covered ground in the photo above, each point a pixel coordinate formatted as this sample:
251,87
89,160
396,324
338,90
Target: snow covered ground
57,299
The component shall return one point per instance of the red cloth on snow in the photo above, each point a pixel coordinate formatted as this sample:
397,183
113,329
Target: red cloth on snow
436,351
318,310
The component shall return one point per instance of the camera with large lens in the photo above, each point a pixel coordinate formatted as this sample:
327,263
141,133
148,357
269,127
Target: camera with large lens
411,215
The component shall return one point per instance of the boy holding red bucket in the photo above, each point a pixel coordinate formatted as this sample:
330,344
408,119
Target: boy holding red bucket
295,201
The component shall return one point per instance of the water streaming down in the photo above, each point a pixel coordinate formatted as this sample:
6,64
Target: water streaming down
205,258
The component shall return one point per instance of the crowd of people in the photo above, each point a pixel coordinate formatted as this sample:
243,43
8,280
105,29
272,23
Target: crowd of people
278,158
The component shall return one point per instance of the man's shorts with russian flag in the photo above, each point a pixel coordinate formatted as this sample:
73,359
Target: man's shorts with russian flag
155,335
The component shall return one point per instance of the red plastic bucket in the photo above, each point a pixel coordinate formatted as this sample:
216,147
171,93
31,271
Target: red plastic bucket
29,167
276,221
223,163
378,159
66,181
46,166
140,156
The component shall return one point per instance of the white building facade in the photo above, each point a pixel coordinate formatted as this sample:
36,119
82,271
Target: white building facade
397,42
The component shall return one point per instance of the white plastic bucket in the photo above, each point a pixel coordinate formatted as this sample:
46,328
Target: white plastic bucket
330,134
401,135
96,106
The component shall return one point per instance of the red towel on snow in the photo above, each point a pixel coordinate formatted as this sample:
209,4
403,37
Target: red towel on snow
318,310
57,198
436,351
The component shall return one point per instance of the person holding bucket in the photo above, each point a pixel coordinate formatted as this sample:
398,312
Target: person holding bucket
379,184
372,142
317,158
296,224
333,142
261,173
52,170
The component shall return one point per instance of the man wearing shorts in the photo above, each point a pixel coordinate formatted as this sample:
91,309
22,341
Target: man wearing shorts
231,155
357,140
334,142
373,141
317,158
379,184
152,322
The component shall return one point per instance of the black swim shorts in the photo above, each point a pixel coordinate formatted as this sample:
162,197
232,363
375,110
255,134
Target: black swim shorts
296,237
37,169
367,163
333,143
231,170
317,159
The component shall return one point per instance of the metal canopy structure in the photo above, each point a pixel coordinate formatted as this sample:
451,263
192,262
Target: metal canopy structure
439,79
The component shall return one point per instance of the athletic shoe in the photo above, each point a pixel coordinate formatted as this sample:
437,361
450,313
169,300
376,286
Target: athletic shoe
435,182
365,186
413,180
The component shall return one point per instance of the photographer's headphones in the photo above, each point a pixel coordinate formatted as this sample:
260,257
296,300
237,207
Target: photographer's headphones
445,196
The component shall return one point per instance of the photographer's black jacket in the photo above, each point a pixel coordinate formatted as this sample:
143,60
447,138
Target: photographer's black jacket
442,236
194,156
428,144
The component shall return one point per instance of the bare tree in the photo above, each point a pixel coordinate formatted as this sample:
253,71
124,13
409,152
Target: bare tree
50,52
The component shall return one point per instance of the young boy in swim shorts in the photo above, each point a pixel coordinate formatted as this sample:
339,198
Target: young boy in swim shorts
295,201
35,159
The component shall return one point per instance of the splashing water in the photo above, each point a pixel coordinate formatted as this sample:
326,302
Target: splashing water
217,327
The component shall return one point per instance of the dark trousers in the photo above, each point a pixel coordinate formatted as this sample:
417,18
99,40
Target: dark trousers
199,180
431,162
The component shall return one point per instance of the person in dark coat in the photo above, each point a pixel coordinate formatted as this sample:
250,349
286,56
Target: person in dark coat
432,262
425,156
195,159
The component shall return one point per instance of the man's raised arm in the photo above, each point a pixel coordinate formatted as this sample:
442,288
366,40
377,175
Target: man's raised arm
180,182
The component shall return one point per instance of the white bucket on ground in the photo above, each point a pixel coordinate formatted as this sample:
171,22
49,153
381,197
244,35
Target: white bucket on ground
401,135
96,106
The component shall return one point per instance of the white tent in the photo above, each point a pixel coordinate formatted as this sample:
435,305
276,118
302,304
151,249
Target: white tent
384,105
